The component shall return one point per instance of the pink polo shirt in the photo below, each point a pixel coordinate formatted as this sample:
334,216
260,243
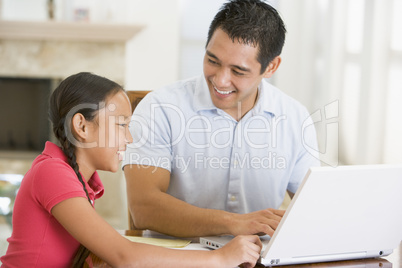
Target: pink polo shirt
38,239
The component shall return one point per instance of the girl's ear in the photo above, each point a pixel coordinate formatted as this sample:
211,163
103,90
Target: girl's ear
272,67
79,127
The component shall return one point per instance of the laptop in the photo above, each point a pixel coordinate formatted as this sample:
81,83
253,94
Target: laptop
342,213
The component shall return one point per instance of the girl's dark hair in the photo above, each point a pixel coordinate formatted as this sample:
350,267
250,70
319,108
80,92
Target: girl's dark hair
252,22
79,93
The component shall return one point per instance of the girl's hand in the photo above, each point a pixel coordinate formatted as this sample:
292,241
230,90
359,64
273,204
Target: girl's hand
243,249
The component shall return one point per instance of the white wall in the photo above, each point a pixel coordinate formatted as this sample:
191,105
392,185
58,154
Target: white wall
194,23
153,55
23,9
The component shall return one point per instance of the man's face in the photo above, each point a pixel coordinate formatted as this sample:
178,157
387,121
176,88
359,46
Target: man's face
232,73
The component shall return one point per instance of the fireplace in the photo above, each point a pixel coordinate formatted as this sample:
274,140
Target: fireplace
24,106
35,57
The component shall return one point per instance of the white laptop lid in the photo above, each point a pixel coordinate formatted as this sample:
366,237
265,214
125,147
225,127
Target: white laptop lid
347,212
341,211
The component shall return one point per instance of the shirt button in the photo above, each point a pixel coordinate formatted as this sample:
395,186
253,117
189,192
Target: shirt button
236,163
232,198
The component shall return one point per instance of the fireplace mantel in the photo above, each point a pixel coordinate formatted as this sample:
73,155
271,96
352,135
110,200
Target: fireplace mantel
67,31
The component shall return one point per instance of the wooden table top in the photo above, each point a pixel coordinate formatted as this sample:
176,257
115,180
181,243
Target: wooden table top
394,260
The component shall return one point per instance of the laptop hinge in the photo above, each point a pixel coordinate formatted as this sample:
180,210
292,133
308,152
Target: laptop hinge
311,259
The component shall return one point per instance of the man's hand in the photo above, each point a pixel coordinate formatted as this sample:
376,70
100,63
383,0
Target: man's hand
259,222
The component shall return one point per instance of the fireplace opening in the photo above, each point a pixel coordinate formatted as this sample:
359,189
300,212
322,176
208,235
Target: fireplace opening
24,104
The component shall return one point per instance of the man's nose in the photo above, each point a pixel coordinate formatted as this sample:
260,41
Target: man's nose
222,78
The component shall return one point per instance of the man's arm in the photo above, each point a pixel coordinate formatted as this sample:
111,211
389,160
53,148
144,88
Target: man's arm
152,208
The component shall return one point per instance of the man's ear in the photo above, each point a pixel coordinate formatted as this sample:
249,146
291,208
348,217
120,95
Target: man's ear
272,67
79,127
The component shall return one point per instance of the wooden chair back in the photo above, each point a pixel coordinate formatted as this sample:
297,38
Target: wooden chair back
135,98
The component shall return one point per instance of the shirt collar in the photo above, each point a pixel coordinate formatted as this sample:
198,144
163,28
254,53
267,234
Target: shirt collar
54,151
202,98
266,101
94,184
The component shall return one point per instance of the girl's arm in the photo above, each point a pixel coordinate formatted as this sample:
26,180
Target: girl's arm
79,218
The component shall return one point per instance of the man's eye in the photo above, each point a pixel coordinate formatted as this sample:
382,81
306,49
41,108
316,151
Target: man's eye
212,62
237,73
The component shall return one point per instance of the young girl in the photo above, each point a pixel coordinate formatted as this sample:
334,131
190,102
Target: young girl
53,212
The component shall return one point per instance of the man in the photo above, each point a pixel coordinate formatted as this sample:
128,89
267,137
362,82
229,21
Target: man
216,154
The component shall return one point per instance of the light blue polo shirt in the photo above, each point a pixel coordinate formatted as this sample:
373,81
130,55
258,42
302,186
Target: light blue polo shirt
219,163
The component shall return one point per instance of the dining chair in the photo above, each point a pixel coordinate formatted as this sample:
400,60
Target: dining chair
135,98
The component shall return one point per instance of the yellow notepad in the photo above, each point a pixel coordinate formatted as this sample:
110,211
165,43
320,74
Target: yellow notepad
167,243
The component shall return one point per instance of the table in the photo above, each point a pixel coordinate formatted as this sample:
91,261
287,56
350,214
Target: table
394,260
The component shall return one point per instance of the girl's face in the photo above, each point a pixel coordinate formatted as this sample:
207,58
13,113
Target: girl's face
109,134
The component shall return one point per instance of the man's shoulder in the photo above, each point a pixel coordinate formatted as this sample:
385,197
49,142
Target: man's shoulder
177,90
282,102
179,96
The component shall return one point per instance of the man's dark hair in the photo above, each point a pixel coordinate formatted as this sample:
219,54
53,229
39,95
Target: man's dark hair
252,22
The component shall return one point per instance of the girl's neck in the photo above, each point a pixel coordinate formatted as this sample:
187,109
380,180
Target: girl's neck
85,170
